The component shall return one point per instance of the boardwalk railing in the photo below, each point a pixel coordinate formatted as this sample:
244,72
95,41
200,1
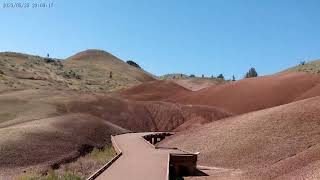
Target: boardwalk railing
178,164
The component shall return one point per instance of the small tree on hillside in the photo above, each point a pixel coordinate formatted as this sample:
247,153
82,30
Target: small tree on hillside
251,73
132,63
220,76
233,78
192,76
302,63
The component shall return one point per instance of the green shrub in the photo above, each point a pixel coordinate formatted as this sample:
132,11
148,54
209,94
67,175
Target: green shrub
251,73
132,63
220,76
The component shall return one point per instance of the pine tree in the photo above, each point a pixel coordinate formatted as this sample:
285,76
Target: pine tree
220,76
251,73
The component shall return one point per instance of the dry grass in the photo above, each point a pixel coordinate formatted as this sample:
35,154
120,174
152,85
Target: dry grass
78,170
312,67
6,117
52,175
87,71
88,164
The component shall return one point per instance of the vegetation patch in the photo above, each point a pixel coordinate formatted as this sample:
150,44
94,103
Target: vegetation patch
80,169
6,117
52,175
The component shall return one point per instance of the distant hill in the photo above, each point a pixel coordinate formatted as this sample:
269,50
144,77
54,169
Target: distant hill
309,67
174,76
96,66
87,71
154,91
192,83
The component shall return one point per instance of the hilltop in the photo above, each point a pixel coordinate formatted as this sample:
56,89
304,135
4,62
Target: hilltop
96,65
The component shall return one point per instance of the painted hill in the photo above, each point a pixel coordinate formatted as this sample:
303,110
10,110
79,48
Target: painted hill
255,93
142,115
51,109
40,129
154,91
277,143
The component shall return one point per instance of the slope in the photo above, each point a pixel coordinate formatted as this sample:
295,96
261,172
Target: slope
41,129
280,142
255,93
154,91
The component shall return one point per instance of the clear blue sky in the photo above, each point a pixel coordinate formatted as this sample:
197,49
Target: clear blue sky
164,36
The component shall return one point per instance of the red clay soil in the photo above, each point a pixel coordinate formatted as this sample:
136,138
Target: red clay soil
42,143
86,123
255,93
281,142
140,116
155,91
200,115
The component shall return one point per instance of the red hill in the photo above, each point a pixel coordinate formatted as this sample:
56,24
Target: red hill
256,93
281,142
155,91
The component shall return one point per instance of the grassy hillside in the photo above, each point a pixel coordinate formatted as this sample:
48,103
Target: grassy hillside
95,67
309,67
88,71
174,76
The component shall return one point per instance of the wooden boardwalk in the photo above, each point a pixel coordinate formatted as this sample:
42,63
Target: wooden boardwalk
139,161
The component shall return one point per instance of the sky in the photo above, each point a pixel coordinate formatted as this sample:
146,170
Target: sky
171,36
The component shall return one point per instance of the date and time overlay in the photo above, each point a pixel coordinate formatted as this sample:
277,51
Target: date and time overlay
26,4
